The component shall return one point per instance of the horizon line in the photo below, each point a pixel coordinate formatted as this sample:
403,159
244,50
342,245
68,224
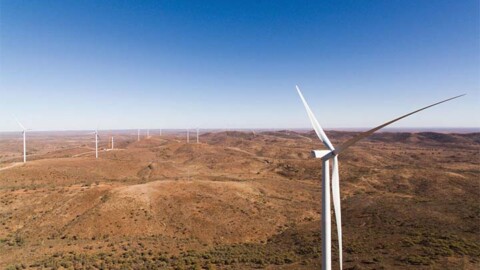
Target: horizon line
348,129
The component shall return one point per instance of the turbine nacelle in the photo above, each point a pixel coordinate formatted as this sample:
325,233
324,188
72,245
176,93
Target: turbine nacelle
323,154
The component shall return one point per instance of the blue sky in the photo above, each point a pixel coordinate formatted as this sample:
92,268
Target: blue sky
234,64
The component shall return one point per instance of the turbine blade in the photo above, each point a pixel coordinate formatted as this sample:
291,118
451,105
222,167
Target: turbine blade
337,208
362,135
20,124
316,126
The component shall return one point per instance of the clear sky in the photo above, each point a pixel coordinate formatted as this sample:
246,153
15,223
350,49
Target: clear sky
234,64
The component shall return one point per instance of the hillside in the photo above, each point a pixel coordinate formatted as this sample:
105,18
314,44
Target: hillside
238,201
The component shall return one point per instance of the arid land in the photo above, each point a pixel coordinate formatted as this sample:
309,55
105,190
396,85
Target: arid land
236,200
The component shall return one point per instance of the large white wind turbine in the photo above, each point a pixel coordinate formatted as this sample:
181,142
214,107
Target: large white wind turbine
332,154
24,132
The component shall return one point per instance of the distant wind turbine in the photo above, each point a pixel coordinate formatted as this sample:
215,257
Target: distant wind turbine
96,142
198,132
24,132
138,135
332,154
112,142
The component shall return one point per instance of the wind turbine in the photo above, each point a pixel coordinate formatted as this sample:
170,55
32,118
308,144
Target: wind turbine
138,135
96,142
332,154
24,132
112,142
198,132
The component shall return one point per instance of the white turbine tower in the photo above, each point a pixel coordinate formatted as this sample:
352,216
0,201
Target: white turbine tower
197,129
96,142
112,142
138,135
332,154
24,132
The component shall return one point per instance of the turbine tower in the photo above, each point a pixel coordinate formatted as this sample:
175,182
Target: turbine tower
332,154
138,135
197,129
24,133
112,142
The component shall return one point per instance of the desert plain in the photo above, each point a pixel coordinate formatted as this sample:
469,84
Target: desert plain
236,200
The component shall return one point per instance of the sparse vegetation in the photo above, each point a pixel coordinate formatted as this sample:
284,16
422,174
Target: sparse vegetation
247,204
